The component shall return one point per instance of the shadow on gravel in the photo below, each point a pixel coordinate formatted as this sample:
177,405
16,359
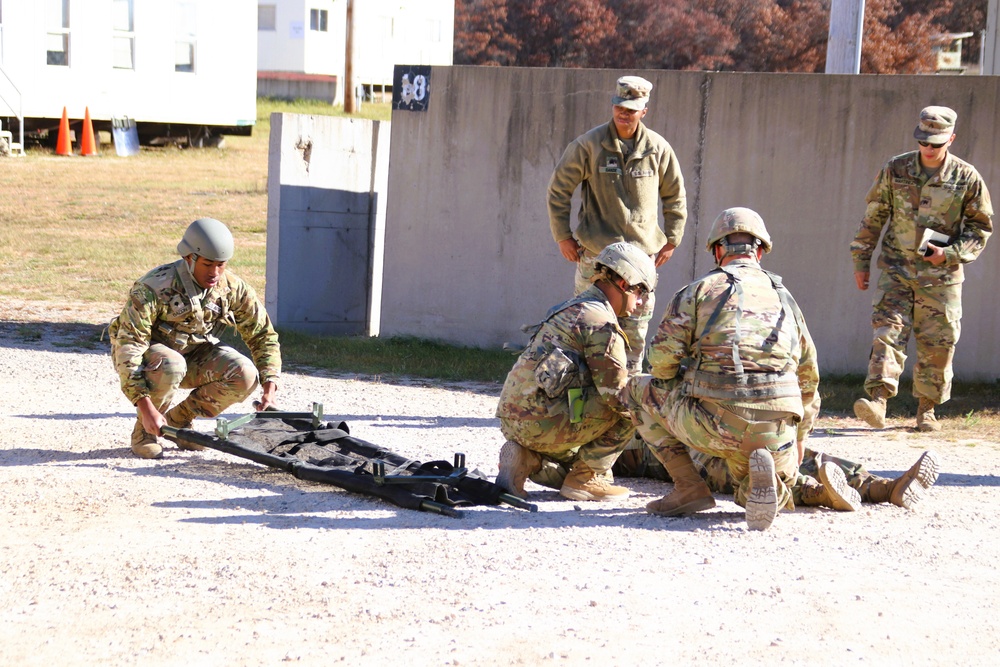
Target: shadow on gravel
74,337
853,432
374,421
20,456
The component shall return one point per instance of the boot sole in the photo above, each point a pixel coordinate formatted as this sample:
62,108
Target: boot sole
762,502
864,411
913,492
512,459
689,507
842,496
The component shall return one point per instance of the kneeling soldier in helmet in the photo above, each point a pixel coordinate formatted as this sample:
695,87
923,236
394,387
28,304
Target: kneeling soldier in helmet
734,375
560,408
166,338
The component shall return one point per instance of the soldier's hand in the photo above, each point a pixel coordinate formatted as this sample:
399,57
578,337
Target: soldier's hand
665,253
861,278
152,420
267,397
935,255
570,249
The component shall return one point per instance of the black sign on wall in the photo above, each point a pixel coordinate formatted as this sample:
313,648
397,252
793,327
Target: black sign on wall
411,87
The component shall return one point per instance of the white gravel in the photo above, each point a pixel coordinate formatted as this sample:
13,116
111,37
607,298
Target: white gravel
201,558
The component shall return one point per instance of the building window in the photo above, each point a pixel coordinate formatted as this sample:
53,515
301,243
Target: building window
123,38
185,44
57,33
318,19
267,16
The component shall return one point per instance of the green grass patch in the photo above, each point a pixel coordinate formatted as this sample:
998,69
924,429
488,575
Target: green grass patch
392,358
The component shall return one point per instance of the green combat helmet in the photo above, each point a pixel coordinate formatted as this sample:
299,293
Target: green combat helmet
629,262
208,238
739,219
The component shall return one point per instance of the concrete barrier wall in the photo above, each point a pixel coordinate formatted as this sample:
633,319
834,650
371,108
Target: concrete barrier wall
326,217
468,253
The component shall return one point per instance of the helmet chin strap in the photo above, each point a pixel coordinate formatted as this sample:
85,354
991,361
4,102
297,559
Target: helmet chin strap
624,294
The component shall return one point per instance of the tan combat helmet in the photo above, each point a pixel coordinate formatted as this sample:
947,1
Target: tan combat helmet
739,219
208,238
629,262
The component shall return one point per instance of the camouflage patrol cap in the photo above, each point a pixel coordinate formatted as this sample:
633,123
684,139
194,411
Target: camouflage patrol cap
632,92
629,262
936,126
739,219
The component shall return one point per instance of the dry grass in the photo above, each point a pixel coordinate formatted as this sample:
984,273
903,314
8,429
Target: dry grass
83,229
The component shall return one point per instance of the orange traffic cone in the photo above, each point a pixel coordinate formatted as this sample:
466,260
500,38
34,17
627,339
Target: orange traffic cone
87,144
63,145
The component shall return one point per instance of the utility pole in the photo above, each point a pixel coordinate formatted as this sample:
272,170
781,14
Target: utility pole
843,49
989,63
349,61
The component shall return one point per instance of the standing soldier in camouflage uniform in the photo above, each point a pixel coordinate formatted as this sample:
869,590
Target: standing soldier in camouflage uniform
927,189
735,376
166,338
623,170
560,409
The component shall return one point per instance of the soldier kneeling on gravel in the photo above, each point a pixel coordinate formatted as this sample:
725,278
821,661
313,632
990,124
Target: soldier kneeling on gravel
166,338
734,375
560,408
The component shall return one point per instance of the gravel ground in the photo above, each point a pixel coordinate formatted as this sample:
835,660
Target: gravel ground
201,558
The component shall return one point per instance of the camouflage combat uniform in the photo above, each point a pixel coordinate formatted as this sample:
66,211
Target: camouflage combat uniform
579,346
619,196
912,293
734,369
166,338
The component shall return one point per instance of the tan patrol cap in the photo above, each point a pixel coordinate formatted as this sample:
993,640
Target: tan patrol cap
632,92
937,124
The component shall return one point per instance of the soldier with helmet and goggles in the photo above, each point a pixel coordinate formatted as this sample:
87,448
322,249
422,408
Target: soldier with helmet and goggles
560,407
166,338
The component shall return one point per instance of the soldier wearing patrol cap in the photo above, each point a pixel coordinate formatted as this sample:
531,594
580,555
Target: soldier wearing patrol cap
624,170
734,375
936,213
560,408
166,338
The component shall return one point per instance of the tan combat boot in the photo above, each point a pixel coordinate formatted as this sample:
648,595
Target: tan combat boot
908,490
583,483
691,493
762,501
144,444
182,416
872,411
516,464
926,421
833,491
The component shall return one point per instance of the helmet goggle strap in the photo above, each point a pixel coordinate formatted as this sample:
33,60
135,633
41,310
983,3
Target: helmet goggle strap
731,249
